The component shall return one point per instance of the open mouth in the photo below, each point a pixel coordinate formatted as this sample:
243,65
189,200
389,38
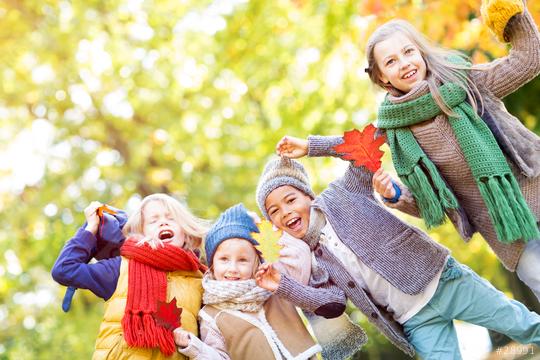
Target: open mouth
410,74
294,224
232,278
165,234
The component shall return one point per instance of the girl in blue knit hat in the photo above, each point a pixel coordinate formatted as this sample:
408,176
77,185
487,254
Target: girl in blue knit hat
239,319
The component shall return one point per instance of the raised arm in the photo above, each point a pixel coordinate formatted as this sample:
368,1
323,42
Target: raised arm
507,74
72,268
321,297
394,194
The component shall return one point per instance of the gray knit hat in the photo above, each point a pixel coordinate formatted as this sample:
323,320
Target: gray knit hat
279,172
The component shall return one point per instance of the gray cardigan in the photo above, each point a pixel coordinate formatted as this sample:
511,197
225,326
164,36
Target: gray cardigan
403,255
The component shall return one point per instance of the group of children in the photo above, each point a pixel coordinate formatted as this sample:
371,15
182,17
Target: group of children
458,153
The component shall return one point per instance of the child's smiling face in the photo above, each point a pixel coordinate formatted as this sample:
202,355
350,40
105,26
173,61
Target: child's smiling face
400,62
160,224
289,209
235,259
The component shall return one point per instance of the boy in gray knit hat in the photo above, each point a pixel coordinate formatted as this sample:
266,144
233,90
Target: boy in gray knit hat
406,284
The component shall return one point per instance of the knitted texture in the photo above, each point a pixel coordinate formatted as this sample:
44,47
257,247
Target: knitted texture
232,223
508,210
280,172
242,295
497,13
495,80
147,284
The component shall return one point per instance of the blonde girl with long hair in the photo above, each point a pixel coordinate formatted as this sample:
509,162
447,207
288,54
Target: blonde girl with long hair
156,265
456,149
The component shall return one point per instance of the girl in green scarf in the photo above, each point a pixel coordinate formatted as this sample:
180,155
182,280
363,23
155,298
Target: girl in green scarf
456,149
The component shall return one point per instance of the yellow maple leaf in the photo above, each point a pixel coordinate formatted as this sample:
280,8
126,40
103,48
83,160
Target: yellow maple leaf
268,241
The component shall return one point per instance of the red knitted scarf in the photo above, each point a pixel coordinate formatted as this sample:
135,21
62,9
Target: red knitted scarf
147,284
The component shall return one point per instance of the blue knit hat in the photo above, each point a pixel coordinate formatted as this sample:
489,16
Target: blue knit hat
234,222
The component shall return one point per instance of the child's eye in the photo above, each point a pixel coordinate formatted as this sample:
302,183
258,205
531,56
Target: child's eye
390,62
291,200
409,51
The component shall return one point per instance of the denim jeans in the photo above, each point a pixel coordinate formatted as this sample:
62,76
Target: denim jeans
470,298
528,269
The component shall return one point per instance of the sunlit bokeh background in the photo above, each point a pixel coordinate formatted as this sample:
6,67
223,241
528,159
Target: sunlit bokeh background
113,100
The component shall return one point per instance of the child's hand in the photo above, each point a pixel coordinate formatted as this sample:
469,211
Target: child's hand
92,218
181,337
382,183
292,147
268,277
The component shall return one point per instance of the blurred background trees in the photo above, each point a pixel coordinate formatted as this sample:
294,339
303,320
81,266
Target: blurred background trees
114,100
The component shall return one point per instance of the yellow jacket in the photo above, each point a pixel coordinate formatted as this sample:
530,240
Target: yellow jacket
110,344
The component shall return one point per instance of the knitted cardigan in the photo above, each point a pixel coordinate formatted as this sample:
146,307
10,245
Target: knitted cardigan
400,253
494,80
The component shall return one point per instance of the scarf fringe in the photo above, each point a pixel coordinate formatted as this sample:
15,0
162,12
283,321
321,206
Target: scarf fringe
432,205
142,331
510,214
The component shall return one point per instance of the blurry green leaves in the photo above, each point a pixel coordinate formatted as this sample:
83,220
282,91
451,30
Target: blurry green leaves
126,98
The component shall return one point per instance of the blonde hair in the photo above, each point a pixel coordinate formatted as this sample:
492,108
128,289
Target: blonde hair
439,67
193,228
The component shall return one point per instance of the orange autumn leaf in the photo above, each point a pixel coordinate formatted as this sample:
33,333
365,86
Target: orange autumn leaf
362,147
105,209
168,315
268,239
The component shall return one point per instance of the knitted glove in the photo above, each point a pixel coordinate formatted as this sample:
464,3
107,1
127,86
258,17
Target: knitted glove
497,13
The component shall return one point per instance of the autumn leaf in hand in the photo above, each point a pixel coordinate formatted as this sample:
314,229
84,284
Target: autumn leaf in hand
362,147
268,240
105,209
168,315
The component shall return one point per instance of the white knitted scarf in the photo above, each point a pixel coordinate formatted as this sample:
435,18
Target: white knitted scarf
242,295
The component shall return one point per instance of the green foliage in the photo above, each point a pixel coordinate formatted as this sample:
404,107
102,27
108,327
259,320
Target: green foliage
114,100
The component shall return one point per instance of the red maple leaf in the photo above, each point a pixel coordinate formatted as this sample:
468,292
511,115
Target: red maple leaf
168,315
362,147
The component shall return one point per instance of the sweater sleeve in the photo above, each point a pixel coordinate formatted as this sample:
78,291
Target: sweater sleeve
323,146
211,345
294,258
72,268
507,74
406,202
323,298
355,179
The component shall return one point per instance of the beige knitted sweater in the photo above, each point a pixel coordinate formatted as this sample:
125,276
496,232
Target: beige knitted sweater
494,80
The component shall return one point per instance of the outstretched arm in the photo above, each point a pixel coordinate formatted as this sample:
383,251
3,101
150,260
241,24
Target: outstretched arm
401,200
322,296
507,74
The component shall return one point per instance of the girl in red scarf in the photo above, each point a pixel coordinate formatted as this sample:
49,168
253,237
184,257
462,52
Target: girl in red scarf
157,269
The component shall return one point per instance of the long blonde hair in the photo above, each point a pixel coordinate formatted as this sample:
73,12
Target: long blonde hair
439,68
193,228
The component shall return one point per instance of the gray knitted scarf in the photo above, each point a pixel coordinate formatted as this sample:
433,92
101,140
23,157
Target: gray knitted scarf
317,221
243,295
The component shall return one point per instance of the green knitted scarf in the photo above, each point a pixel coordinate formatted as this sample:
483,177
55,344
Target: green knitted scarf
507,208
